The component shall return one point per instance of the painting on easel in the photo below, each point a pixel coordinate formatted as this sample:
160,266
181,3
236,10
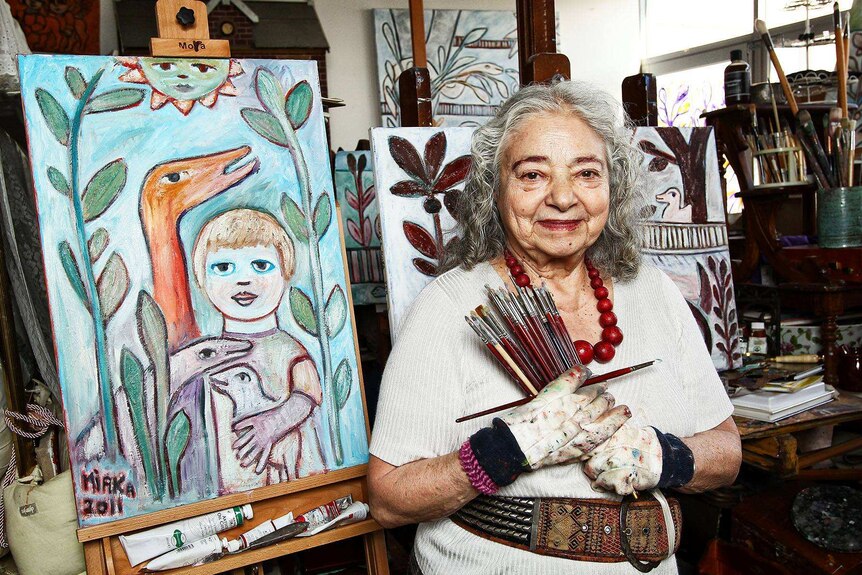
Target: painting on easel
195,277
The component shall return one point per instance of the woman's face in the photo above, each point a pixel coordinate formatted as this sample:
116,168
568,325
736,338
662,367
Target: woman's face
554,186
244,284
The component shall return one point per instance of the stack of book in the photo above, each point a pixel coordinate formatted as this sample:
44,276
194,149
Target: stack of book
781,399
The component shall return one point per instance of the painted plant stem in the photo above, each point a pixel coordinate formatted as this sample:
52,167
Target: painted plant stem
316,283
109,429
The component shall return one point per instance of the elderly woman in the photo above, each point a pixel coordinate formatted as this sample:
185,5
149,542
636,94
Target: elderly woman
553,197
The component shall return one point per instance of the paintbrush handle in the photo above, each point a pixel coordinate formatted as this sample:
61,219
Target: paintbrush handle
591,381
785,85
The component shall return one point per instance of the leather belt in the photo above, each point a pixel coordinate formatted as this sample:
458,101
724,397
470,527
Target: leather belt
580,529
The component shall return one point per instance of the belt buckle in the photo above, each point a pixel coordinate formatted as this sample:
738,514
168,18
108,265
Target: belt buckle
625,532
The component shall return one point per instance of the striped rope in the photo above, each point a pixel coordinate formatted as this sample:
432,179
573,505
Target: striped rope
39,419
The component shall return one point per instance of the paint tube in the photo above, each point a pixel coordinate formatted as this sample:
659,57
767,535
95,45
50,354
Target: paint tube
200,551
153,542
355,512
324,513
261,530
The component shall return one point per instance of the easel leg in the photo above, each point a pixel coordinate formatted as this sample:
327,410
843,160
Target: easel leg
94,559
375,553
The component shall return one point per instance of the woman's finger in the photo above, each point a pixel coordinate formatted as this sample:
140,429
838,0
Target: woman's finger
605,425
264,457
594,409
618,480
242,440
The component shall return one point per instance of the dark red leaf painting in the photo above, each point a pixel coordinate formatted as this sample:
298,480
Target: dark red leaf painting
420,239
428,178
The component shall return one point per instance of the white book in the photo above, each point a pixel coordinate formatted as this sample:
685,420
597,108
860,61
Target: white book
773,401
772,417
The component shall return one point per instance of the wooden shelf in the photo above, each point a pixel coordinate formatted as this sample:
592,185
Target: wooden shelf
786,190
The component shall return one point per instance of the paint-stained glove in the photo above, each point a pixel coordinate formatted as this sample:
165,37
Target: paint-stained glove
562,423
638,459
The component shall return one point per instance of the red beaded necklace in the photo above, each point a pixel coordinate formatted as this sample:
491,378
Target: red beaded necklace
603,351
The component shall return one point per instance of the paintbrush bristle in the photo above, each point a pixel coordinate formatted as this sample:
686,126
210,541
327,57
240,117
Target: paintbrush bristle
803,116
845,123
835,114
761,28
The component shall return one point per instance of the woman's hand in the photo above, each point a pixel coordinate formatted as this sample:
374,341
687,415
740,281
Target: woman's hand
564,423
631,460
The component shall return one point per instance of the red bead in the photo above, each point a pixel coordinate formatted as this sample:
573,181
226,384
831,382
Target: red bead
593,273
516,270
510,261
604,305
522,280
608,318
596,283
612,335
601,292
585,351
604,352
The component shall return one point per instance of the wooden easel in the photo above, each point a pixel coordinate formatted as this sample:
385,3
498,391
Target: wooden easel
103,552
538,59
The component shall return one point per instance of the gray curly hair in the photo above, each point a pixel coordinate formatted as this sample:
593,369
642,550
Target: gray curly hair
618,249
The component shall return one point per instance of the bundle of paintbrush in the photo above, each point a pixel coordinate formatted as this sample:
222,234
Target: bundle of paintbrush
844,152
526,334
777,155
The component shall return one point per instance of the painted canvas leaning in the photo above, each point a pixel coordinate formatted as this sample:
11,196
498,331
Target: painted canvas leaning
418,174
195,277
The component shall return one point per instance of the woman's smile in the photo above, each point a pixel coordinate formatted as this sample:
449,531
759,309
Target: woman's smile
559,225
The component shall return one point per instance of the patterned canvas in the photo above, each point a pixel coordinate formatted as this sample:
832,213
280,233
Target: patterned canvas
194,276
354,187
686,235
418,174
472,61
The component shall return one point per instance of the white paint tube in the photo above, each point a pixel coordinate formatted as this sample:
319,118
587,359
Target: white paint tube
261,530
192,554
326,512
153,542
355,512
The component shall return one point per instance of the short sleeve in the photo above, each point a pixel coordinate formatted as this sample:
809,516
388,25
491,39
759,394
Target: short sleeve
304,378
423,388
704,391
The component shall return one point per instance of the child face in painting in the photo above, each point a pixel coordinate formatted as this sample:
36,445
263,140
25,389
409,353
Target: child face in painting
244,284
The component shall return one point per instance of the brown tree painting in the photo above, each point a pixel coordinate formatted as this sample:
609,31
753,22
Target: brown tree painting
686,235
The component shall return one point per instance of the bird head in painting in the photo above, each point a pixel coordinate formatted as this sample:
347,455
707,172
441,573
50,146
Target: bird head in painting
172,188
243,385
677,207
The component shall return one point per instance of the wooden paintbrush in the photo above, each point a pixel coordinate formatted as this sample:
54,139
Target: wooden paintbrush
840,59
809,133
760,25
591,381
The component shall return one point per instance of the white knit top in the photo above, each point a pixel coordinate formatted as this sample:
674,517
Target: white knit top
440,370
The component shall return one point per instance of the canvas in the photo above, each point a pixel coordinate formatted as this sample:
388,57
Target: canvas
195,277
472,62
354,186
418,174
686,235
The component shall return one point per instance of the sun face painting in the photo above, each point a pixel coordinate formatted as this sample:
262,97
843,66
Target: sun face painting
195,277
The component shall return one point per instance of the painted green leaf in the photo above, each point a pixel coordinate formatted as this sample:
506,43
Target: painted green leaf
73,273
112,285
265,124
322,215
269,91
97,243
335,311
58,180
103,189
297,105
153,331
342,380
294,217
132,377
303,310
119,99
75,81
54,114
176,440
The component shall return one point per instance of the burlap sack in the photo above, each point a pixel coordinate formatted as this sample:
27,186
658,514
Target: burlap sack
40,526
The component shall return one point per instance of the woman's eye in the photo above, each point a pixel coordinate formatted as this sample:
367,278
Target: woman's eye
166,66
531,176
262,266
222,268
589,174
203,68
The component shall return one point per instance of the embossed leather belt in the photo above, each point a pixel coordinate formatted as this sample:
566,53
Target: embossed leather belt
581,529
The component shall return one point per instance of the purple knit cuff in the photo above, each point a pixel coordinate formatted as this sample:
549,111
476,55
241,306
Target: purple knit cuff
478,478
